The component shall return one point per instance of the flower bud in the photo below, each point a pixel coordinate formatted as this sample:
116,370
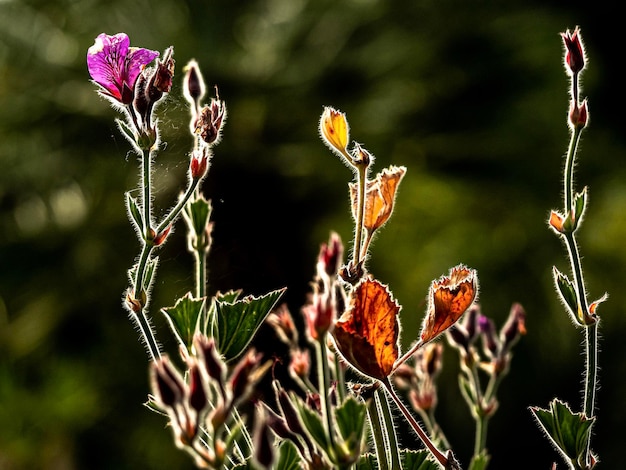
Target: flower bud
242,380
198,399
574,51
330,257
514,327
199,162
167,385
488,333
210,360
263,442
578,115
193,84
335,131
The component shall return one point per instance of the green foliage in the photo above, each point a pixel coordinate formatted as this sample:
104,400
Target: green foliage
184,318
568,431
236,322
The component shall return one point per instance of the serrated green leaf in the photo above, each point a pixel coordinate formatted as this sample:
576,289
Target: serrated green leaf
237,322
184,317
350,417
568,431
312,422
197,213
480,461
209,324
288,457
135,215
417,460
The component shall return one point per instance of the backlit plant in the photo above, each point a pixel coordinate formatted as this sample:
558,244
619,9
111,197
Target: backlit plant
351,375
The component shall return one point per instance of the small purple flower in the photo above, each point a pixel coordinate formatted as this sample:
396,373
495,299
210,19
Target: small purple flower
115,66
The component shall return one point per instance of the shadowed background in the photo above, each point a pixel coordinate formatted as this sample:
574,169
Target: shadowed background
470,96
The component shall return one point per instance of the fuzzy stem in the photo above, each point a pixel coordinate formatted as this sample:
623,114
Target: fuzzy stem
439,456
146,183
376,426
324,386
180,205
360,214
392,448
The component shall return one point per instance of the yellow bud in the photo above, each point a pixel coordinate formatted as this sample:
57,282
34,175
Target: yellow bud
335,131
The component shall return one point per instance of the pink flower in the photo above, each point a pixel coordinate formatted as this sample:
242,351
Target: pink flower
115,66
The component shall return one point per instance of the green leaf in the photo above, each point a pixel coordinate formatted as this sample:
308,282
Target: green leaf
418,460
209,325
312,422
135,215
480,461
184,317
568,293
567,430
197,213
288,457
350,418
236,322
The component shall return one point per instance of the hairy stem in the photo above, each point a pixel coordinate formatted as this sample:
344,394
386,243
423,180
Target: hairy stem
377,426
439,456
360,213
392,448
324,386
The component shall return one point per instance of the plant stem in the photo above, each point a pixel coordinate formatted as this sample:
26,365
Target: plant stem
324,386
146,164
180,205
439,456
376,426
360,213
393,450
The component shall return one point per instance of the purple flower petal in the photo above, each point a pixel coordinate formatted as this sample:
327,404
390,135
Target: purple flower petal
115,66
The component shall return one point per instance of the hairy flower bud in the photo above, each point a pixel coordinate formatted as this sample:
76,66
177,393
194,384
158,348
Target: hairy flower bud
193,84
574,51
167,384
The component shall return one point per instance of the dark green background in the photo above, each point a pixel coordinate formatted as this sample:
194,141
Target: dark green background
471,96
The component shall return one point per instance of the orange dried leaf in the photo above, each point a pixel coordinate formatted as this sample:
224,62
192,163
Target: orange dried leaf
367,333
380,195
449,297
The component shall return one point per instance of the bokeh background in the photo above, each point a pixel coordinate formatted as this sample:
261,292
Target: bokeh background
470,96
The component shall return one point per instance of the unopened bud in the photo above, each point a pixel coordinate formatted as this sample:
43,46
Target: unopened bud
574,51
330,257
263,442
242,379
488,333
199,162
514,326
198,399
210,360
193,85
578,115
167,385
